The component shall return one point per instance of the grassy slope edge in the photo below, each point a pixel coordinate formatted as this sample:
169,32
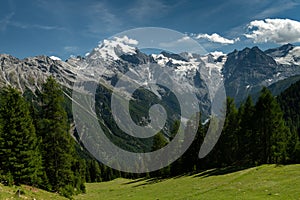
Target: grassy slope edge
27,192
263,182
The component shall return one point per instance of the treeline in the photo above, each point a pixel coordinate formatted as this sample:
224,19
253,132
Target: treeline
252,135
36,147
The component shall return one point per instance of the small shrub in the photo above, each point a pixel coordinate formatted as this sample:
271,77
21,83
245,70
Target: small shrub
67,191
7,179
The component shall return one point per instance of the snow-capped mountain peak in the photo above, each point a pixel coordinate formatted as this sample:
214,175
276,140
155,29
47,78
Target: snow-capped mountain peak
217,54
112,49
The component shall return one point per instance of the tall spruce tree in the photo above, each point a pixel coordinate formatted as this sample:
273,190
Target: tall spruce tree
227,146
190,159
271,132
19,152
246,139
159,142
58,145
289,102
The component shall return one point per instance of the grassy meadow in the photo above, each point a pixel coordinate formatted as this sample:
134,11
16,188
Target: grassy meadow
263,182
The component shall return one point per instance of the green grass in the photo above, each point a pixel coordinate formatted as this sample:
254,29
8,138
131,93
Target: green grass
264,182
28,192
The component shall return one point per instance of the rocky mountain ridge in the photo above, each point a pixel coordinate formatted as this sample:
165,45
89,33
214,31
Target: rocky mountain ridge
244,72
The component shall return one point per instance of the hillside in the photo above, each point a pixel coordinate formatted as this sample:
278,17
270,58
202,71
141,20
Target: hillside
263,182
27,192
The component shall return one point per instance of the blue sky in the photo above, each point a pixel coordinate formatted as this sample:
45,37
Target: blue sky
74,27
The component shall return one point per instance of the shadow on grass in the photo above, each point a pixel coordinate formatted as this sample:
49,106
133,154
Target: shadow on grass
220,171
135,181
197,174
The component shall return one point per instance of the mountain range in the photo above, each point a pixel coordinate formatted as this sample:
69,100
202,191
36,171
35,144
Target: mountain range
243,73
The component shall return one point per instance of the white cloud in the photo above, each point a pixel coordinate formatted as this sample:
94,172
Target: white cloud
102,19
278,7
6,21
178,42
145,9
183,44
216,38
71,49
126,40
37,26
279,31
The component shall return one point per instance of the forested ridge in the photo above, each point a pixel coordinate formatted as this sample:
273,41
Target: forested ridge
37,148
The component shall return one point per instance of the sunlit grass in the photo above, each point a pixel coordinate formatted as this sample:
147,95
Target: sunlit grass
264,182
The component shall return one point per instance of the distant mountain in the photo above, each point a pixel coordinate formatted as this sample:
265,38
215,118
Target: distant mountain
113,58
246,71
30,73
243,72
281,51
280,86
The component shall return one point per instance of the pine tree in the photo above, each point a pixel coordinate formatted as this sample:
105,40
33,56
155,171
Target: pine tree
190,159
271,133
19,152
289,102
159,142
94,171
246,139
227,146
58,145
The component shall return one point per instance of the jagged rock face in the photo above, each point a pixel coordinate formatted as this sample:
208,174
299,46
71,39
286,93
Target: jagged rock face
30,73
280,51
247,71
287,58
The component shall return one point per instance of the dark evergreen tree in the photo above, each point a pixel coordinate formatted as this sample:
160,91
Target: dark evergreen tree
190,160
271,133
58,145
95,171
227,146
159,141
289,102
19,152
246,137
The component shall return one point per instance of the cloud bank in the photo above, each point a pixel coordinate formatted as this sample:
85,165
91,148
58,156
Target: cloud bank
280,31
216,38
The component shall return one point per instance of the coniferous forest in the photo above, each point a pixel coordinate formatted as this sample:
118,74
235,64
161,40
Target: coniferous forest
37,146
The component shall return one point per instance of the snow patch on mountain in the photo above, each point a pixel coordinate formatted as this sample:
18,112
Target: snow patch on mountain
181,65
292,58
215,60
55,58
217,54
